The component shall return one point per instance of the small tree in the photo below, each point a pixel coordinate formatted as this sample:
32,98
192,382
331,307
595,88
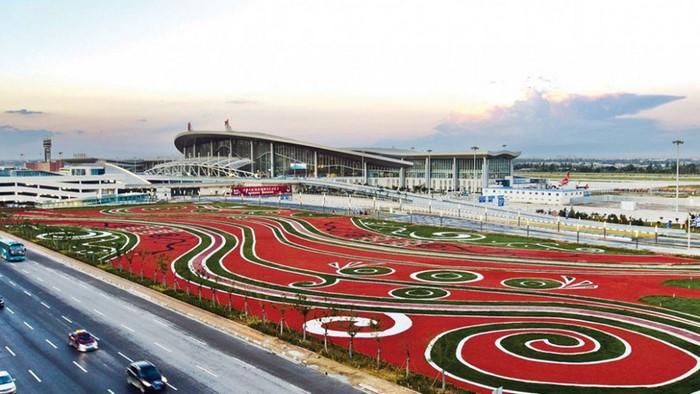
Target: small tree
376,326
162,264
129,257
352,329
304,310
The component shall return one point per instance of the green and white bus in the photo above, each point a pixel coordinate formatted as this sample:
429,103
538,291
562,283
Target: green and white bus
12,250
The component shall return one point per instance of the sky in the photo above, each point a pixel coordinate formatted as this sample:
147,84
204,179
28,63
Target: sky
548,78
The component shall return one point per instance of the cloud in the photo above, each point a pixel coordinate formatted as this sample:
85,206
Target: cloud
540,124
23,111
242,102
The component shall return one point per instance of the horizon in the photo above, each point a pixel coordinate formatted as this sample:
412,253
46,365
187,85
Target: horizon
545,78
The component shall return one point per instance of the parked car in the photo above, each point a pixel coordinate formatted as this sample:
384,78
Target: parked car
82,341
145,376
7,383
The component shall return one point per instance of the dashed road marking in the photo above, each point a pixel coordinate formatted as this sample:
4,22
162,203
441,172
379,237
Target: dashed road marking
52,345
98,312
128,328
27,293
57,289
207,371
75,299
67,319
25,271
163,347
160,322
10,351
125,357
171,386
40,280
199,341
13,283
45,305
34,375
83,285
10,310
27,324
110,391
80,366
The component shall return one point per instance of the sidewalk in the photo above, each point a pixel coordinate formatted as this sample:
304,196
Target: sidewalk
359,379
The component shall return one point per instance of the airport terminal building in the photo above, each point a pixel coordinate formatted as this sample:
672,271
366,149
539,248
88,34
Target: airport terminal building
260,155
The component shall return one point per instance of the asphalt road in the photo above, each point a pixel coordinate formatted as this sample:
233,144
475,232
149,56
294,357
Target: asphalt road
45,300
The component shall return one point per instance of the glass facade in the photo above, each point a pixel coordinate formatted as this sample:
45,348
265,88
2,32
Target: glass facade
306,161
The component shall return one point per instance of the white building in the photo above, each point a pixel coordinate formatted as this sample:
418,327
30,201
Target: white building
535,196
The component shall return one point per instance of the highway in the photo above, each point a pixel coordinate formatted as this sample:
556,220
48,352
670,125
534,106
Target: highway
45,300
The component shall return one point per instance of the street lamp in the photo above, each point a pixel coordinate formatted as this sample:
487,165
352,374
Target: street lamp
429,175
678,149
473,185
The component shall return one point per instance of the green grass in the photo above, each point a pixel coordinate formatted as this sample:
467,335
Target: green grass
681,304
490,239
691,283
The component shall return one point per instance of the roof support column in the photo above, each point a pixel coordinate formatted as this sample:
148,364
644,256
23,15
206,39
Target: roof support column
484,173
427,173
364,170
315,164
252,164
454,174
402,177
272,160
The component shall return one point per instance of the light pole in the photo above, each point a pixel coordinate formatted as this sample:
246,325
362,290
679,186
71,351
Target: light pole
429,175
472,189
678,150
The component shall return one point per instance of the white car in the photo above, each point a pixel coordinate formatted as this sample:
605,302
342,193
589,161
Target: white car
7,383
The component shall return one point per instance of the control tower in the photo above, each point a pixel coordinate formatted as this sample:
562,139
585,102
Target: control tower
47,150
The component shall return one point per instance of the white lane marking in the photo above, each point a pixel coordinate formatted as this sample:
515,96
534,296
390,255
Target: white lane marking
98,312
163,347
10,351
104,295
44,304
67,319
40,280
27,293
198,341
25,271
80,366
34,375
127,358
160,322
10,310
52,345
110,391
75,299
171,386
57,289
83,285
13,283
27,324
128,328
207,371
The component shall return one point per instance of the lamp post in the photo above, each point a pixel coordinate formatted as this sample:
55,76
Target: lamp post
429,175
678,149
472,189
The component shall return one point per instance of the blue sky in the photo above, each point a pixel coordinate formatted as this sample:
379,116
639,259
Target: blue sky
545,77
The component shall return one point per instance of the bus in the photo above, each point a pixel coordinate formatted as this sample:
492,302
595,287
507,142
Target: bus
12,250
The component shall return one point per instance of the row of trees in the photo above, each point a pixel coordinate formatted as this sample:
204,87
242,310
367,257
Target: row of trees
668,167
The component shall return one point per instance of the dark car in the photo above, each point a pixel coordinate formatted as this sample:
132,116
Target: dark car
145,376
83,341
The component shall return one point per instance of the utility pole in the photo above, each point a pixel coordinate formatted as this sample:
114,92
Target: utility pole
678,150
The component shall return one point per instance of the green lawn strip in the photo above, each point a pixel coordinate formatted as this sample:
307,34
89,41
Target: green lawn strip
690,283
682,304
515,241
443,355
